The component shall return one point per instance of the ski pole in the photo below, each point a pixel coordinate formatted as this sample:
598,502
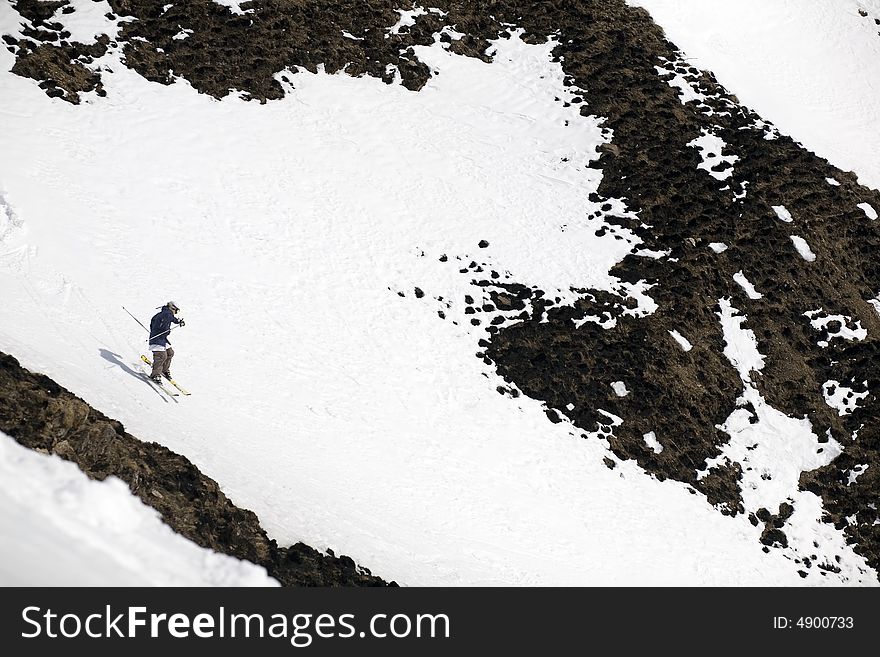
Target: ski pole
136,319
162,333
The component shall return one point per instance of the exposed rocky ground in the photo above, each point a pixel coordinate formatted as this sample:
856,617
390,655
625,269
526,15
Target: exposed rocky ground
621,64
43,416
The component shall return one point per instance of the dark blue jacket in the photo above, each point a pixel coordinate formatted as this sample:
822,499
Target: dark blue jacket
160,326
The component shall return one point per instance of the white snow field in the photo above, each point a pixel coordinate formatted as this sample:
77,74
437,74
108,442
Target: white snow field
60,527
343,414
810,67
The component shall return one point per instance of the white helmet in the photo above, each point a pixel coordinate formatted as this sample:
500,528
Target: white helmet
173,306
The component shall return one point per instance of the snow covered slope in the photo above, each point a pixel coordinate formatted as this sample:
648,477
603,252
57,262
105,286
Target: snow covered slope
62,529
316,245
809,66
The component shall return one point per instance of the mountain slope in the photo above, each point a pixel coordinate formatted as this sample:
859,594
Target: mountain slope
100,537
343,251
44,417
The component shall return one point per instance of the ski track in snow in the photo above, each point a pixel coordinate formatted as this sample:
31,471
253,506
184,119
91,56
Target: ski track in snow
344,414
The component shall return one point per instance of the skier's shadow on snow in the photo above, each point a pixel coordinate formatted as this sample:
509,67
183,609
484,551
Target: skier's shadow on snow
111,357
108,355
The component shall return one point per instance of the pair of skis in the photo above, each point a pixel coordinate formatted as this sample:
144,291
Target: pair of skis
161,384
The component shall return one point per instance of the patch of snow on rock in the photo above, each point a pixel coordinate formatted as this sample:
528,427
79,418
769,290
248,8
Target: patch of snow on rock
803,248
869,210
682,341
838,396
711,148
783,213
652,442
746,285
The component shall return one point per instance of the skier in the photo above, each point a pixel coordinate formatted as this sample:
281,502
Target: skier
160,326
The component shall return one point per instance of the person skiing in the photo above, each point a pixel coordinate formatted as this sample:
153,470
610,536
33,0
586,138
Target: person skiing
160,326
